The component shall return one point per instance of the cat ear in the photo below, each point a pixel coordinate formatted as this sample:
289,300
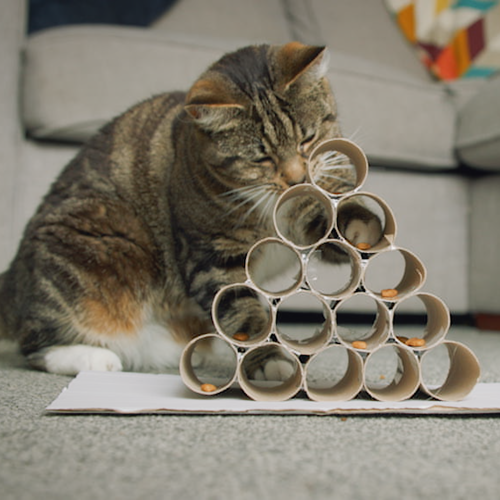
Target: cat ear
209,102
296,60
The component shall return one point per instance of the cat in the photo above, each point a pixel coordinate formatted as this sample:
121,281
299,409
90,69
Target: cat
118,267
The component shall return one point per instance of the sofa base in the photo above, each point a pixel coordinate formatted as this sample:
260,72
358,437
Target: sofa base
485,321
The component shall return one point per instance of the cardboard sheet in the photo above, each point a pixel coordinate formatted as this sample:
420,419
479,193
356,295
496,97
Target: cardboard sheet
139,393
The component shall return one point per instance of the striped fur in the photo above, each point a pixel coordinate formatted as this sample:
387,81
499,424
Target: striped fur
158,210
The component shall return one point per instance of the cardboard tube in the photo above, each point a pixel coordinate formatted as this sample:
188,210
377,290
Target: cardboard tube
280,254
461,376
288,219
310,337
377,334
208,364
385,381
438,321
334,374
230,297
334,160
267,361
413,277
334,280
389,223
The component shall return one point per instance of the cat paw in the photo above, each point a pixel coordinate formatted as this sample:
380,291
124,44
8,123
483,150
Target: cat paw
70,360
275,369
360,231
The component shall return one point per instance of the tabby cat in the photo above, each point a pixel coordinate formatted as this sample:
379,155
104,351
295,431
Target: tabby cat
118,267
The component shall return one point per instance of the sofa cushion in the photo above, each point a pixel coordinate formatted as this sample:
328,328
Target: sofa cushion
398,120
77,78
478,130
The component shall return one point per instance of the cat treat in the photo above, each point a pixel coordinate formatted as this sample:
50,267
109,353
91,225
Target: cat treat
415,342
363,246
359,344
331,271
208,387
241,337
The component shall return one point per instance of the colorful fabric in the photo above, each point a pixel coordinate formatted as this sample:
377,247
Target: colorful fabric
453,38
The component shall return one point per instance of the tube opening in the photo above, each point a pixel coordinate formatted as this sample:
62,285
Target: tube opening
337,166
333,269
309,337
242,314
391,373
270,372
334,374
303,216
208,365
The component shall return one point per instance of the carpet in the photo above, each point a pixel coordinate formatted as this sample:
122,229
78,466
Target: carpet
246,456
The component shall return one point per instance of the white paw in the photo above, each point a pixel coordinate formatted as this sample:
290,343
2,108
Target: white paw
359,231
70,360
276,369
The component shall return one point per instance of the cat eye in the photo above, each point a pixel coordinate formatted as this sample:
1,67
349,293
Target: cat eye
306,143
265,161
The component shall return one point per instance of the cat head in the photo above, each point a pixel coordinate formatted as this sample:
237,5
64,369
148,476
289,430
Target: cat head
260,111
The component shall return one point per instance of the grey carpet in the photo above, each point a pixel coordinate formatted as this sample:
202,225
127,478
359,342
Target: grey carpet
241,457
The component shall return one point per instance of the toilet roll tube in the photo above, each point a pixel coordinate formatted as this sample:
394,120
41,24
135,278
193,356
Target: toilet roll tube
462,373
412,279
330,278
337,166
237,300
385,240
298,208
270,372
278,254
388,383
437,320
208,364
343,378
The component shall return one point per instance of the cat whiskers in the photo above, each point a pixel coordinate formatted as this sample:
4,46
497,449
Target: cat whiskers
333,161
261,197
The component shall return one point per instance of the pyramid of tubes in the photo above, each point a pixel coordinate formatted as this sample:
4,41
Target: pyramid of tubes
324,359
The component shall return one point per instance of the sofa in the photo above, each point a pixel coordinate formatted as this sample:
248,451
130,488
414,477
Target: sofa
433,147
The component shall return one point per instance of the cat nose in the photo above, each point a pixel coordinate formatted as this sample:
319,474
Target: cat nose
293,170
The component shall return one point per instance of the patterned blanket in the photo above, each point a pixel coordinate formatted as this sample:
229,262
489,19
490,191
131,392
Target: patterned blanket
453,38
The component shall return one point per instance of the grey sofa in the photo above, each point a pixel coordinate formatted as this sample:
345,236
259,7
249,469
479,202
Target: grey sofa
434,148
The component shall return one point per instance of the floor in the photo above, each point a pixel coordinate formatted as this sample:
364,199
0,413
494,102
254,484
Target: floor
245,457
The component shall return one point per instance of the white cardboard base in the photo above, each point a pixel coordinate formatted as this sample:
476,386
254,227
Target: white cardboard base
139,393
